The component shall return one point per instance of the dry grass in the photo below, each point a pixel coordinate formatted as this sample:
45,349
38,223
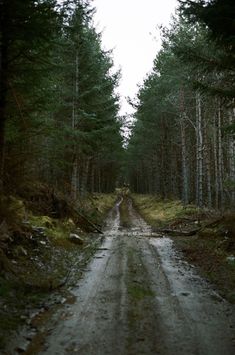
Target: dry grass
159,212
96,206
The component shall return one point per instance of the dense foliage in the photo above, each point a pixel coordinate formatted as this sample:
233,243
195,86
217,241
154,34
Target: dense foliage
59,121
59,112
182,144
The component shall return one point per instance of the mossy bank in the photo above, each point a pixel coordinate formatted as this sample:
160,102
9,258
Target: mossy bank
40,255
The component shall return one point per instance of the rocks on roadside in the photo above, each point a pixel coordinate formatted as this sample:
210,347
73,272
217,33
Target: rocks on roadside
39,236
40,231
23,346
74,238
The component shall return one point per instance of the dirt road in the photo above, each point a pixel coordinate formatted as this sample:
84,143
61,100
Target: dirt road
138,296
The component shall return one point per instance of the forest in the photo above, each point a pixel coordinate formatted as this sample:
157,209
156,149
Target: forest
60,122
182,142
117,231
59,109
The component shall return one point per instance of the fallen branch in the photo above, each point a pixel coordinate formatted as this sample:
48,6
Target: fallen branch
179,232
94,227
188,233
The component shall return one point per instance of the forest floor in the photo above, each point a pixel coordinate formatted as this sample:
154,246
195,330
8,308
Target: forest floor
137,295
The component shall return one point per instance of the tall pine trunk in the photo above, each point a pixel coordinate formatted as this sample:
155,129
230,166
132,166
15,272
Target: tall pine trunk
92,178
85,171
215,151
199,132
231,152
74,177
4,48
208,170
220,157
185,192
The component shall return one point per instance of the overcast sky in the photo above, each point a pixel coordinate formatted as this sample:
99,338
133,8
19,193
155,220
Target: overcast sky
130,28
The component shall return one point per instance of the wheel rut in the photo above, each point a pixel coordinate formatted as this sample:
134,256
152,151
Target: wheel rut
140,297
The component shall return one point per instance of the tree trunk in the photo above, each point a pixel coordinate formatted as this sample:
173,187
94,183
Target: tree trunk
92,178
215,150
99,179
185,192
208,171
2,148
85,175
199,177
74,178
220,158
3,83
231,151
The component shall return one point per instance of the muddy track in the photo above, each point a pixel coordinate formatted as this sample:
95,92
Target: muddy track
138,296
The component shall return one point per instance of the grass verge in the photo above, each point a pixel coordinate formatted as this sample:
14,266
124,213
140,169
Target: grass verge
212,249
159,212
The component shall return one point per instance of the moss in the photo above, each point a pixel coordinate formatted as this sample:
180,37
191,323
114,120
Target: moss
41,221
56,230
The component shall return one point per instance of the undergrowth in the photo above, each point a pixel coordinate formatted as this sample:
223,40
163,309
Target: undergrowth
158,212
37,256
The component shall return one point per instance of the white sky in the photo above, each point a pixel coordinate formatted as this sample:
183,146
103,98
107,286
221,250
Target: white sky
129,27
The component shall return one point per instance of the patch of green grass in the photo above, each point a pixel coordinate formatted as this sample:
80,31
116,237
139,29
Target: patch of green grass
138,292
159,212
41,221
57,230
104,202
96,206
58,233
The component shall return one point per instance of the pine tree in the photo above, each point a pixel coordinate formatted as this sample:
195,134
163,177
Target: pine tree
26,35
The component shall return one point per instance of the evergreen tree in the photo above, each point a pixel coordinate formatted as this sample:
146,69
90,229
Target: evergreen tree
216,60
178,147
26,36
59,110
